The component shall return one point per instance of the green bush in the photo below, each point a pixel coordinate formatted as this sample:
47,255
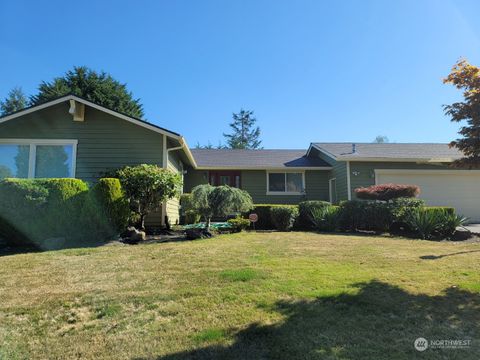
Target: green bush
305,209
425,223
264,215
376,215
440,209
325,218
48,213
352,215
112,204
191,217
187,213
450,223
239,223
147,186
403,207
283,217
435,222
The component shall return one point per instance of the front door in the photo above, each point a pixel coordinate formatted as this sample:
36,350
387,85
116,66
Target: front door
230,178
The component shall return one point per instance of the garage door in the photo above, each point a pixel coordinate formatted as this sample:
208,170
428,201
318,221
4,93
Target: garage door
456,188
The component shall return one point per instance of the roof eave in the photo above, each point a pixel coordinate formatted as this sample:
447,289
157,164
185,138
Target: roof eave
284,168
389,159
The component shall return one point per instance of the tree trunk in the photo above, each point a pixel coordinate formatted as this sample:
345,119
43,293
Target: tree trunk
142,222
207,224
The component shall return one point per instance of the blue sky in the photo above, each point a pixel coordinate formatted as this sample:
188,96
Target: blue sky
311,70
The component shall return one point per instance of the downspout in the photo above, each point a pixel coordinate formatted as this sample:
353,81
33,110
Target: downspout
349,187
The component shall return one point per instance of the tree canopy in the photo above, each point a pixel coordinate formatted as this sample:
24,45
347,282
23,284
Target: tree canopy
147,186
15,101
245,135
221,201
381,139
466,77
100,88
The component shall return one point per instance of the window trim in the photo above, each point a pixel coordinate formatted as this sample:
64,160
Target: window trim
303,192
33,150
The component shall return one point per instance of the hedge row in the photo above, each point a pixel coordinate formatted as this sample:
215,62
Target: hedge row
350,215
55,213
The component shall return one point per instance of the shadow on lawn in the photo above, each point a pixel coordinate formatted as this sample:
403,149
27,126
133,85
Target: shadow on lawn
436,257
379,322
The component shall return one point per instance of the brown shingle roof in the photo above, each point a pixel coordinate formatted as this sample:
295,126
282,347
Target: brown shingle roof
255,159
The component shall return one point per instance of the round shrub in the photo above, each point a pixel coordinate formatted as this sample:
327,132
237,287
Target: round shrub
283,217
112,204
239,223
387,192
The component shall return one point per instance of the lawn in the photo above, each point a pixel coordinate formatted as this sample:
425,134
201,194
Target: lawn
243,296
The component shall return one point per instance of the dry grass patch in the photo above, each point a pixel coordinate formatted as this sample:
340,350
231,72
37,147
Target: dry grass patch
247,295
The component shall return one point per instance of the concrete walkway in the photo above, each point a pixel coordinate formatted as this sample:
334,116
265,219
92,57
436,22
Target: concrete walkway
474,228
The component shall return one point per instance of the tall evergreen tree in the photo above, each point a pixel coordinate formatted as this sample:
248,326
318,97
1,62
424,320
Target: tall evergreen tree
466,77
100,88
245,135
15,101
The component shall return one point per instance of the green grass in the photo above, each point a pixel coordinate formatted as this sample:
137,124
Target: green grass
242,296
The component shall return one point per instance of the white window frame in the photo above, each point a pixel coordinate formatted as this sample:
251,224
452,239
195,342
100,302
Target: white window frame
33,150
286,192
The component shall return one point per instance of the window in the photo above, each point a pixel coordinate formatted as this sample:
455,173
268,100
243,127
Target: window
37,158
224,180
225,177
285,183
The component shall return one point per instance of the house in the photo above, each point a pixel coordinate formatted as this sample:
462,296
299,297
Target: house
73,137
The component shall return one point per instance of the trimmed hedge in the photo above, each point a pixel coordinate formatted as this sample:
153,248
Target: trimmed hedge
112,204
284,217
264,218
56,213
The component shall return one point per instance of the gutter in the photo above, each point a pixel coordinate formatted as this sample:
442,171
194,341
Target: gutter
184,146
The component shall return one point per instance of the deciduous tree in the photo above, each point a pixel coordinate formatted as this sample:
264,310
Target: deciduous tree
466,77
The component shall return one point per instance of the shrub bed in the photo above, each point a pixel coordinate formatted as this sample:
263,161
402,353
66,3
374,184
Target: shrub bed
56,213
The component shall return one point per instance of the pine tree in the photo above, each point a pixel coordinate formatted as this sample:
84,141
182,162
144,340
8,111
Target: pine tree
100,88
244,133
15,101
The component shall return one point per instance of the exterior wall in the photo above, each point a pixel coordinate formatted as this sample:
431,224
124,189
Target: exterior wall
193,178
104,141
255,182
173,205
366,175
339,172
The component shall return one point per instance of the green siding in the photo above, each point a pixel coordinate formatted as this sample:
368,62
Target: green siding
339,172
255,182
104,141
173,205
193,178
365,174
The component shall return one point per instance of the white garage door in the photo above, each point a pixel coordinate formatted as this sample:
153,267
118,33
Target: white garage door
456,188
